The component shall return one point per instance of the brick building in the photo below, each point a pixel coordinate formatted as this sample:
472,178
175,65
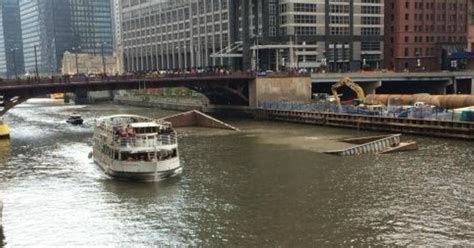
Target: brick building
424,34
470,17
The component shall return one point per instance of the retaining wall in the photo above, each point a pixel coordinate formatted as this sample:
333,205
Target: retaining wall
445,129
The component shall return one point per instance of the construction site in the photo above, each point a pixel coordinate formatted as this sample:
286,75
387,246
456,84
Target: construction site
449,116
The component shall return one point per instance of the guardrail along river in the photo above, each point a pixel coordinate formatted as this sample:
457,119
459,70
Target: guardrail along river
268,185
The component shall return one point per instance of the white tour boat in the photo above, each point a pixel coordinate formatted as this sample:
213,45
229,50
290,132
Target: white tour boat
136,147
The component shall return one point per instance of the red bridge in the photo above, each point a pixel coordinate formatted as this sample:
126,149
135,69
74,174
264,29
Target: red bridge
224,89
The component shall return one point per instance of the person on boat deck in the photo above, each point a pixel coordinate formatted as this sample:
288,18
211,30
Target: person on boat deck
117,131
123,132
130,131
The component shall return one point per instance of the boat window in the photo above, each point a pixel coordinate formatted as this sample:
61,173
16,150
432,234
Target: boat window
167,154
132,157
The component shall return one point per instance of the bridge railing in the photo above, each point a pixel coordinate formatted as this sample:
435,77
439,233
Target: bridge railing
131,77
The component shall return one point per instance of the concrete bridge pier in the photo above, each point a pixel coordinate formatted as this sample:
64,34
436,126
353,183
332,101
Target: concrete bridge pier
371,87
81,97
441,88
292,89
472,86
454,83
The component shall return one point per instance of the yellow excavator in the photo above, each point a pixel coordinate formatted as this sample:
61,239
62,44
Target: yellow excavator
346,81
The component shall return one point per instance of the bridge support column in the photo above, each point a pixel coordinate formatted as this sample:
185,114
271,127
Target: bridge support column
371,87
81,97
472,86
267,89
455,85
441,89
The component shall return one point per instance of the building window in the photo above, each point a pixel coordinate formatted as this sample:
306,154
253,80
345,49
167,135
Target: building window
305,7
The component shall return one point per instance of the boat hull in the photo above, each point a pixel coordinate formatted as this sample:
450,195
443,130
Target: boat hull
75,122
145,177
139,171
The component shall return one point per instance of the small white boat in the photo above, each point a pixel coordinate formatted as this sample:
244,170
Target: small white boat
136,147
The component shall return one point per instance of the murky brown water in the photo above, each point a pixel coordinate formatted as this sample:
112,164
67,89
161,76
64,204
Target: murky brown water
268,185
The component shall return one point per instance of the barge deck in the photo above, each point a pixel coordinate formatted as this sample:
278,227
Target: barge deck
432,128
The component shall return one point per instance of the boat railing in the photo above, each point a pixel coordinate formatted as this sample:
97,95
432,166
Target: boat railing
112,128
147,141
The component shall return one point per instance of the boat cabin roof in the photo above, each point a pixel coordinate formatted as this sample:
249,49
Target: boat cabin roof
143,124
133,121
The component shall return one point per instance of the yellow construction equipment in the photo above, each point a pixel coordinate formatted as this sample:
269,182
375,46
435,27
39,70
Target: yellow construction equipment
4,130
346,81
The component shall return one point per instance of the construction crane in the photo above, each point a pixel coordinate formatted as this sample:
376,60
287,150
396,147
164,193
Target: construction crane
346,81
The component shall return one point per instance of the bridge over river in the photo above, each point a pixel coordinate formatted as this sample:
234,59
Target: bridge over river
220,89
240,88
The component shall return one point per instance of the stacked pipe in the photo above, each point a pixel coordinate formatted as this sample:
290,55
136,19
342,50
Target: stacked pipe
443,101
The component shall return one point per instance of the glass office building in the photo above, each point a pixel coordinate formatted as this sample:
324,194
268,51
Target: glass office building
11,50
52,27
92,25
253,34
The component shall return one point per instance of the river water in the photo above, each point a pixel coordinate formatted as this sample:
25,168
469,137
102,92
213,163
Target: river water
268,185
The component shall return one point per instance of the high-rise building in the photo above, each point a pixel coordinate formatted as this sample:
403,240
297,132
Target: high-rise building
340,35
52,27
91,22
423,35
117,21
11,49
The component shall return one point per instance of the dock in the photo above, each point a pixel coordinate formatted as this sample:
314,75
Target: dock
432,128
375,144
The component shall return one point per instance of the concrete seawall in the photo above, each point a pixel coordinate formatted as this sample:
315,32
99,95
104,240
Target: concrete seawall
293,89
177,104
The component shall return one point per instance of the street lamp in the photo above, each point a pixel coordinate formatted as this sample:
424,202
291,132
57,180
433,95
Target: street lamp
76,51
36,62
103,56
257,61
179,57
13,50
185,57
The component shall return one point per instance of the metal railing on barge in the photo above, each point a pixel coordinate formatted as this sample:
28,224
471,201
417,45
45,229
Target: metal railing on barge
435,128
